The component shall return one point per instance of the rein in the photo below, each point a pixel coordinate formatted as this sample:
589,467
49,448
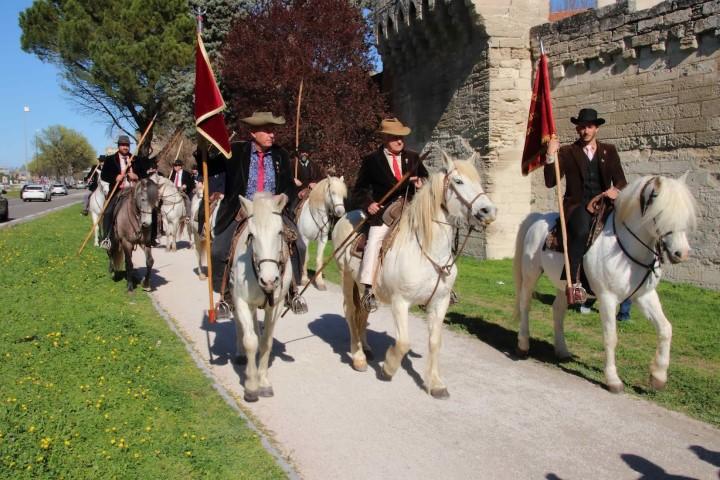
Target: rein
281,262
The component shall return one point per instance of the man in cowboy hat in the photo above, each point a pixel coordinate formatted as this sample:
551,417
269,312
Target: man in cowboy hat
379,173
257,165
306,174
184,182
591,169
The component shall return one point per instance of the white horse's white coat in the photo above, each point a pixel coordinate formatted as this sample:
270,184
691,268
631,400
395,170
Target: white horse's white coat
196,241
260,277
612,275
95,205
172,210
326,201
407,277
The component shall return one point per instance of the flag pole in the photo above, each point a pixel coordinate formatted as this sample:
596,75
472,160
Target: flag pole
561,210
297,125
177,155
107,200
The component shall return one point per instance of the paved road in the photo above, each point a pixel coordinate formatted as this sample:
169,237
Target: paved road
505,419
22,211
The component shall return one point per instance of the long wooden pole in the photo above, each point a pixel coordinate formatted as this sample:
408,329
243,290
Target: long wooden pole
563,227
345,242
297,126
177,155
107,200
203,147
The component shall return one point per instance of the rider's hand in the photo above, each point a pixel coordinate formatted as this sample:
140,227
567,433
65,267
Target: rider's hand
297,182
417,181
132,176
374,208
119,178
553,147
612,193
312,185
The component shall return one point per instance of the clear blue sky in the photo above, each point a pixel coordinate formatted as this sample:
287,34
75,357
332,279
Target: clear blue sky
25,80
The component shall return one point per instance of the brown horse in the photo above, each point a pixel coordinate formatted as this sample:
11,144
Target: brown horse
132,227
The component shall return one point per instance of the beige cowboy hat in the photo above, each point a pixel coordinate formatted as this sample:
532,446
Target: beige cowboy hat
261,119
393,126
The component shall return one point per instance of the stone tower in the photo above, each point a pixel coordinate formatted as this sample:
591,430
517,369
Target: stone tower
459,72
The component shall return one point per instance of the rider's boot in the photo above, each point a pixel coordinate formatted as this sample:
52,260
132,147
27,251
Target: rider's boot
294,301
368,301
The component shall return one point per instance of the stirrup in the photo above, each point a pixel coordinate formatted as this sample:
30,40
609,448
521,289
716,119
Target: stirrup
454,298
223,309
106,244
85,212
297,304
576,294
368,301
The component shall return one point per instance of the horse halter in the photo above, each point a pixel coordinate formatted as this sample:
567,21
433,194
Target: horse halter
448,185
282,257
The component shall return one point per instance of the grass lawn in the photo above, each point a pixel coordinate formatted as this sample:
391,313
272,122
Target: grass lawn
93,383
12,194
487,297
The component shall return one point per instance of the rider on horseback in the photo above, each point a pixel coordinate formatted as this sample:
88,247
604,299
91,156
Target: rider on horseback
120,167
592,170
306,175
184,182
92,181
379,173
255,166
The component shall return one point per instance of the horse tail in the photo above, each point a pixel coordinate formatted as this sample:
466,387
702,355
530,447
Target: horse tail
118,258
518,257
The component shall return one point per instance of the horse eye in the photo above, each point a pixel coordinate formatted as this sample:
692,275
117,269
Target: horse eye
458,181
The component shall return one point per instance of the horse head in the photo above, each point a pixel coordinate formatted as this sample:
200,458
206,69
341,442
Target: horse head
335,196
662,210
146,198
265,236
464,197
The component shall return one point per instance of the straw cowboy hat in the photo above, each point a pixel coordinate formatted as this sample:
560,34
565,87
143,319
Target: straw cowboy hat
393,126
262,119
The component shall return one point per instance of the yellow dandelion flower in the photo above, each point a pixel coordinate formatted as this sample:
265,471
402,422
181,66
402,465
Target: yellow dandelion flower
188,453
45,443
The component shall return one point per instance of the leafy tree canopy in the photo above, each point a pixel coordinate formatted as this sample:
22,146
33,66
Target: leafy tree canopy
326,44
113,54
62,152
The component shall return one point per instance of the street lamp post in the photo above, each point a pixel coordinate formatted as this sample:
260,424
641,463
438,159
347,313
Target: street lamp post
26,109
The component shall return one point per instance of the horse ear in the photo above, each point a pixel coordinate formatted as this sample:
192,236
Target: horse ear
280,201
328,177
247,204
342,178
473,158
683,177
447,164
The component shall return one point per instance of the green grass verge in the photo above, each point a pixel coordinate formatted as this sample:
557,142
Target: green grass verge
12,194
93,382
487,296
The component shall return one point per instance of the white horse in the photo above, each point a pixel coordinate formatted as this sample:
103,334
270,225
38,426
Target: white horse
419,268
326,201
196,240
172,210
651,215
260,277
95,205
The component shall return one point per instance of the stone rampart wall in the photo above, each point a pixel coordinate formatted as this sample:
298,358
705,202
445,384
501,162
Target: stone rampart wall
653,75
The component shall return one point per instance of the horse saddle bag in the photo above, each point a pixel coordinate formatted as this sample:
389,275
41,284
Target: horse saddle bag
392,213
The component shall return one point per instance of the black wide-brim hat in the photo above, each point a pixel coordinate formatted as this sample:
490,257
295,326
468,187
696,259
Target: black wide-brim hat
587,115
178,162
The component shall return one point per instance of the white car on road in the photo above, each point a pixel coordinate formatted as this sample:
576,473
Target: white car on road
35,192
58,189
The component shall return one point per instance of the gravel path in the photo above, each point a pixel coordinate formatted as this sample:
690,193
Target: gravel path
504,419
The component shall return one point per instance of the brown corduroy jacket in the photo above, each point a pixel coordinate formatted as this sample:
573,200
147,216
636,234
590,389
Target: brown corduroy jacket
574,166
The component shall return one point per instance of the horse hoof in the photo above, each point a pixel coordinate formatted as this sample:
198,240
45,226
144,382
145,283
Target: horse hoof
616,387
522,354
440,393
563,357
359,365
656,383
146,286
202,277
384,376
266,392
321,286
251,397
241,359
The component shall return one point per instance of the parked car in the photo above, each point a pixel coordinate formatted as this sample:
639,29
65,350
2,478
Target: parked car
58,189
4,212
36,192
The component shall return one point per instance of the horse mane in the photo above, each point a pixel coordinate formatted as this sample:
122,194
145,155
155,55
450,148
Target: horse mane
673,209
317,194
421,211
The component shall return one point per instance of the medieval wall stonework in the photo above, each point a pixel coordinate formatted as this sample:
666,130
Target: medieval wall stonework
459,73
654,76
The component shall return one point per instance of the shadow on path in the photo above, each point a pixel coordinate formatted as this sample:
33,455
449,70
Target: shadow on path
649,470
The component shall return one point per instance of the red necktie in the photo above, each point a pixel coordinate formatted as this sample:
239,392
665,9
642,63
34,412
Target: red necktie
177,179
261,171
396,167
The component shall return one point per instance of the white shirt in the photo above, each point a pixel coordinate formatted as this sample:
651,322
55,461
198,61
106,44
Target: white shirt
589,150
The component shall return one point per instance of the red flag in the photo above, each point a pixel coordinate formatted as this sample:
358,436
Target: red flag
541,124
209,103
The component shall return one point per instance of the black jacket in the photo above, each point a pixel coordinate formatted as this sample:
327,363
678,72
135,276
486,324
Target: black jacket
237,171
187,180
111,168
376,178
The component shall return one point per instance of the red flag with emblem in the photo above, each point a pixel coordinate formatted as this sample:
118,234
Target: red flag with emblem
209,104
541,124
